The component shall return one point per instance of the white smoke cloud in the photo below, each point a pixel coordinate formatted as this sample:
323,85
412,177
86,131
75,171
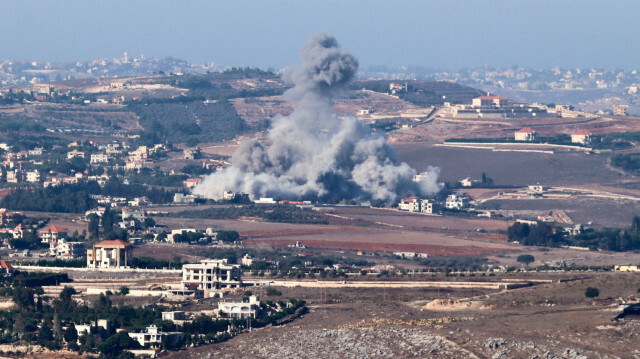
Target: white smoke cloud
313,155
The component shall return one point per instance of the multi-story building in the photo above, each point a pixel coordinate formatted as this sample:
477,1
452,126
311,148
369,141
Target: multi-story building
456,201
415,204
239,310
69,250
99,158
33,176
211,274
52,234
153,336
110,254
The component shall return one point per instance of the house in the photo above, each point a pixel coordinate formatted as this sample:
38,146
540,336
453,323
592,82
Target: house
153,336
36,151
69,250
138,215
239,310
620,110
140,154
99,158
192,182
626,268
184,198
98,212
228,195
582,137
525,134
52,234
192,153
110,254
5,268
211,274
494,101
75,153
15,176
177,317
456,201
10,217
415,204
33,176
411,204
179,231
247,260
18,232
102,324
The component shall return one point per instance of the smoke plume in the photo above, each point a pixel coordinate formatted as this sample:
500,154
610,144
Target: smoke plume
313,155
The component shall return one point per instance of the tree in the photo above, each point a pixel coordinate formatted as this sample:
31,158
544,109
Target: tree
116,343
227,236
591,292
71,334
45,334
23,297
94,226
526,259
108,219
124,290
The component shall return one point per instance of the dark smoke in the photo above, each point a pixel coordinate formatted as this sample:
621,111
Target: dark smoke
313,155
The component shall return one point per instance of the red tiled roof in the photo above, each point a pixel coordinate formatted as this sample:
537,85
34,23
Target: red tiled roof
54,229
583,132
5,265
409,199
526,130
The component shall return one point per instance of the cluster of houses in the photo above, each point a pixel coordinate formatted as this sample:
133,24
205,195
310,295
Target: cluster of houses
21,167
454,201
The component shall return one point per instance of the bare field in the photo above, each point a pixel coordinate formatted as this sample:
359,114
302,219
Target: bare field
419,221
510,168
368,238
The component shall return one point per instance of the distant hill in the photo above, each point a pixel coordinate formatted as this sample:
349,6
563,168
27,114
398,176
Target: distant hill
424,93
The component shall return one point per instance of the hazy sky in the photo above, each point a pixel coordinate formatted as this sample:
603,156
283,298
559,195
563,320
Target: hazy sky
444,34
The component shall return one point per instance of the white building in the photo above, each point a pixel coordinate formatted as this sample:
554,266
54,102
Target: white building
525,134
247,260
228,195
177,317
153,336
211,274
456,201
239,310
493,101
415,204
69,250
75,153
265,200
110,254
52,234
15,176
99,158
179,231
582,137
33,176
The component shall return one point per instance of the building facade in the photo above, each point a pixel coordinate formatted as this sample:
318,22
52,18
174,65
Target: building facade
110,254
211,274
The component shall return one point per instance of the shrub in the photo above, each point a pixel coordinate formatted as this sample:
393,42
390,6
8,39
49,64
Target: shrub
591,292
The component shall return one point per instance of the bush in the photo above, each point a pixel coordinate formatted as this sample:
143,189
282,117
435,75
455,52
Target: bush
591,292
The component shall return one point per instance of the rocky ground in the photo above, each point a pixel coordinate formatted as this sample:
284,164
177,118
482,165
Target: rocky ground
547,321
